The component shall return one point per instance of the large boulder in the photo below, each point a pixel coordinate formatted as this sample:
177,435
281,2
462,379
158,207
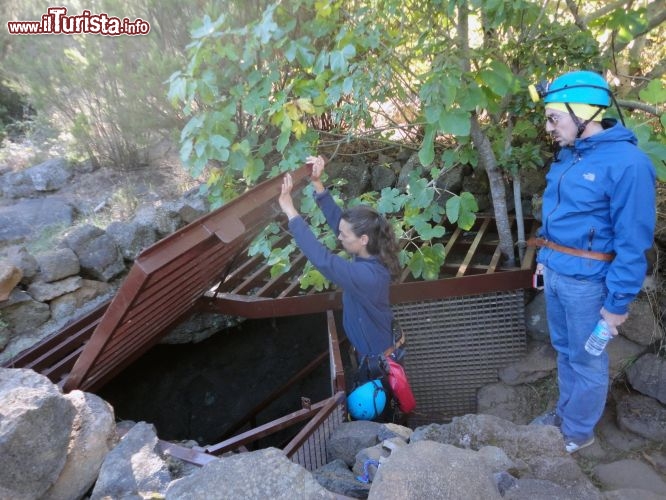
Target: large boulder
26,219
55,265
35,427
410,473
134,468
23,313
648,376
93,436
50,175
98,253
266,473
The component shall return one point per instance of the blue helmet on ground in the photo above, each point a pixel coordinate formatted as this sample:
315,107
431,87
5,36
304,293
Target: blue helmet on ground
367,401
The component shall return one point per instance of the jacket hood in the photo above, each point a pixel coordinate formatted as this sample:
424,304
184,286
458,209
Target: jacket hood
613,132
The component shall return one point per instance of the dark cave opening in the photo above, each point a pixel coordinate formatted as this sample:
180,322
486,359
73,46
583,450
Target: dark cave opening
198,391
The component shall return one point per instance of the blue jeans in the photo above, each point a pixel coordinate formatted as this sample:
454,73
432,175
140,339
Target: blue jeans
572,309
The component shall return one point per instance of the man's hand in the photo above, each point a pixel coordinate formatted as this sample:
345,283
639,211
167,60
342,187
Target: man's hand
613,320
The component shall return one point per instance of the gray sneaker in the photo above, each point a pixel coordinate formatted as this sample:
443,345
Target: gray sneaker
573,445
548,418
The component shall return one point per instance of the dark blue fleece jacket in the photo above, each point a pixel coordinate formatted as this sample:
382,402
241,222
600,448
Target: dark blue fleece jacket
600,196
366,310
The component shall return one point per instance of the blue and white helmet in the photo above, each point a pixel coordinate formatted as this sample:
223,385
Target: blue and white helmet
367,401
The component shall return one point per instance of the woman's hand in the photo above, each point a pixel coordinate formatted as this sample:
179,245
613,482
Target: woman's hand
285,199
318,163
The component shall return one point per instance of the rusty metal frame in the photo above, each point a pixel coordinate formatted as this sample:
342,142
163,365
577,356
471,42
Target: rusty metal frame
167,279
204,267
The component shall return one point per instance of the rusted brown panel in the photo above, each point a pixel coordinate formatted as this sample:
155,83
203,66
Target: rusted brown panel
201,273
179,262
254,307
163,253
124,354
68,344
233,224
160,304
460,287
63,366
112,317
139,331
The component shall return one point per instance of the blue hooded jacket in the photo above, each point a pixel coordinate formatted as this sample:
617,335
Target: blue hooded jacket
366,309
600,196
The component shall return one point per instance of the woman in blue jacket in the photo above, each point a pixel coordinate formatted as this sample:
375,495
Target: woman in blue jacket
598,218
370,241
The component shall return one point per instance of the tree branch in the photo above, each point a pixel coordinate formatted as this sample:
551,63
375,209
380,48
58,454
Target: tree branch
610,7
653,22
648,108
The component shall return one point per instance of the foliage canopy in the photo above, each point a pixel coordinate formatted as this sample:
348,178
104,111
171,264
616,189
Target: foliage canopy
307,74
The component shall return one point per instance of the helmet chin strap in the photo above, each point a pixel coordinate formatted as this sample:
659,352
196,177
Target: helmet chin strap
581,126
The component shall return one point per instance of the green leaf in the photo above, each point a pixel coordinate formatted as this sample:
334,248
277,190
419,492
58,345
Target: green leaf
219,141
427,231
432,113
654,93
253,169
453,209
461,209
499,78
455,122
427,151
312,278
265,29
416,264
338,61
420,193
466,220
435,257
186,150
390,201
283,140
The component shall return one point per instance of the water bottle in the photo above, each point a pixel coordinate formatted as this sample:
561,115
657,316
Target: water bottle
598,339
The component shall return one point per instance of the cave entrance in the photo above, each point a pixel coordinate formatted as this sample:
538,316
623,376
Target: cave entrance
455,325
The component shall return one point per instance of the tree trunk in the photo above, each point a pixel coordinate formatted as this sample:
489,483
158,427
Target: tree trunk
497,191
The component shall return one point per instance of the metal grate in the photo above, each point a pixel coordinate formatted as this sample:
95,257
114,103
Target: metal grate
455,346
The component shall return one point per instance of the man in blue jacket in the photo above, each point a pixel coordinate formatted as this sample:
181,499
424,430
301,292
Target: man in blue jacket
598,218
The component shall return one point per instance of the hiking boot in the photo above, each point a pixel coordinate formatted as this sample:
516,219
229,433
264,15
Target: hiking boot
572,445
548,418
